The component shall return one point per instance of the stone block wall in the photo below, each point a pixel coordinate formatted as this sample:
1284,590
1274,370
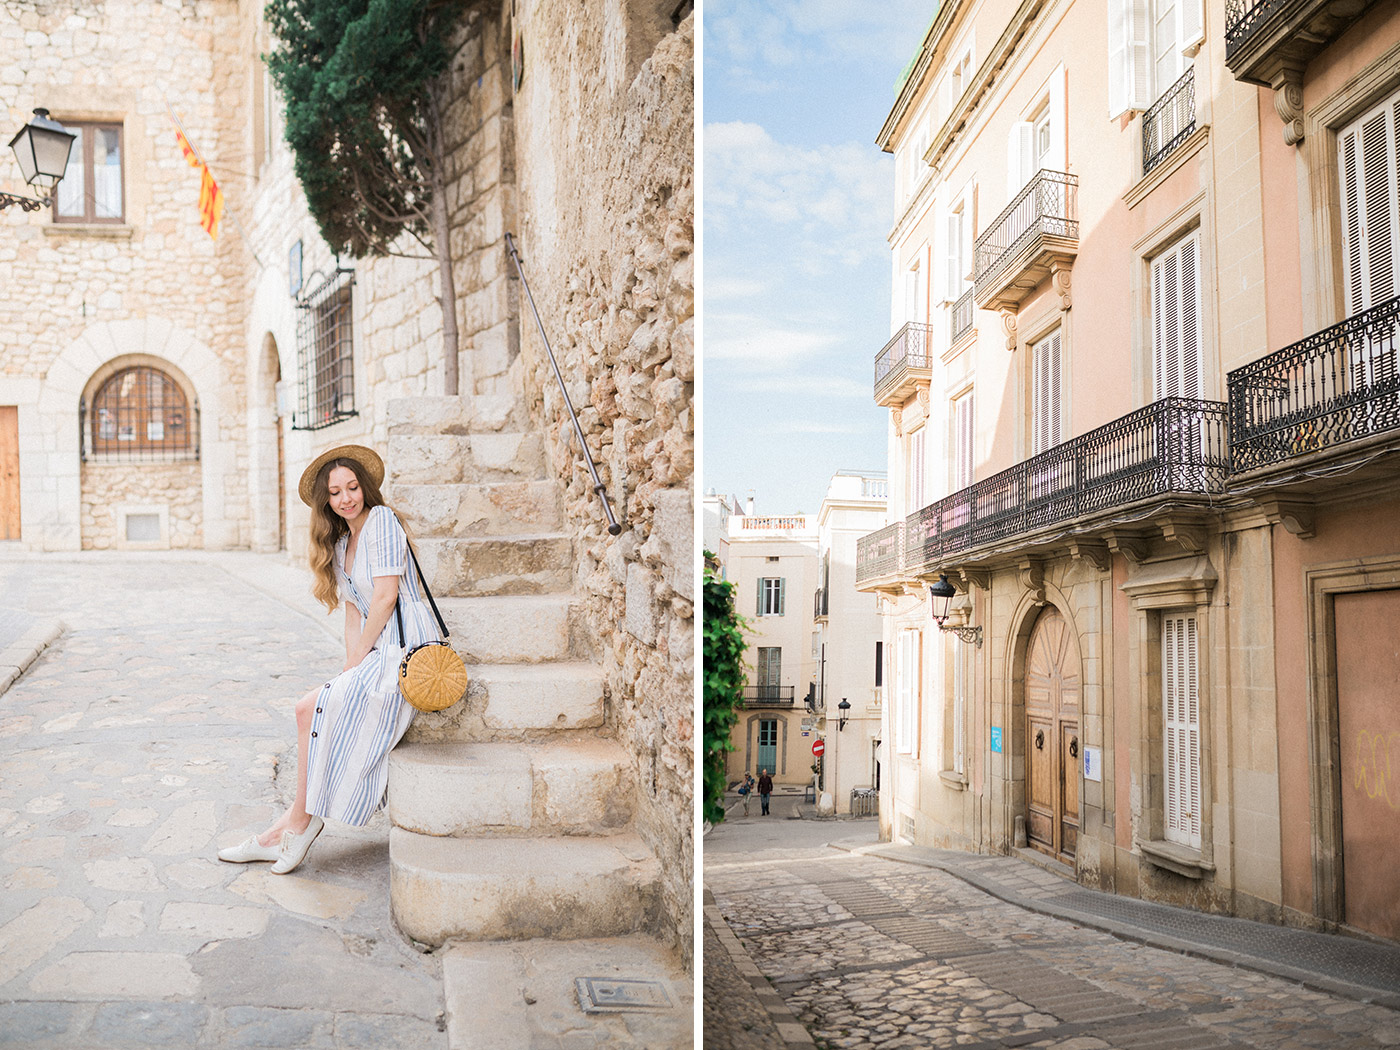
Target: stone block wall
174,486
604,127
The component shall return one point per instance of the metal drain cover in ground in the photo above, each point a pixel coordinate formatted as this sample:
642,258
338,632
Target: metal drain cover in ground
603,995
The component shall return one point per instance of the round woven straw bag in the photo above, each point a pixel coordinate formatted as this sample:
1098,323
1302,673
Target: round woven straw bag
432,677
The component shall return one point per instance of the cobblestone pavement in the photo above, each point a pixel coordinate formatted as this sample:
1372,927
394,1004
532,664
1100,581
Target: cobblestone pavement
156,729
871,953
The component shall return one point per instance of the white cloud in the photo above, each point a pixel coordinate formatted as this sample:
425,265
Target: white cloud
761,345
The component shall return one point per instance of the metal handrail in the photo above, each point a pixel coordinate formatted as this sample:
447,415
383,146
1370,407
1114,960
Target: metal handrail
908,348
1045,206
614,528
1242,18
960,316
1169,122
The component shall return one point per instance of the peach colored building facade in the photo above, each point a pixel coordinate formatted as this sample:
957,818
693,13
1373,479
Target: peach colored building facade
1144,414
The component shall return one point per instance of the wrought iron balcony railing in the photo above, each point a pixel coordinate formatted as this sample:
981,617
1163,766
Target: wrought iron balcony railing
769,695
880,554
1176,445
1242,18
1048,206
820,603
960,317
1169,122
909,349
1335,386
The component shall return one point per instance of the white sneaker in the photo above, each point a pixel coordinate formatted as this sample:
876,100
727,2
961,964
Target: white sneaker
249,850
294,847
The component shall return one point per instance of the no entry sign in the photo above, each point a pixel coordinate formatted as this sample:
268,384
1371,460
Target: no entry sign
818,746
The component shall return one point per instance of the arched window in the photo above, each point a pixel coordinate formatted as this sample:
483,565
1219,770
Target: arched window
142,412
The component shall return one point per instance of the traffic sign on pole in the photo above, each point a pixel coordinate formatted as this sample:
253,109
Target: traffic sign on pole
818,746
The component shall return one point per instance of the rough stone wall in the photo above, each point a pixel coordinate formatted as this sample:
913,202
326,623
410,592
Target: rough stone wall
120,61
604,126
172,485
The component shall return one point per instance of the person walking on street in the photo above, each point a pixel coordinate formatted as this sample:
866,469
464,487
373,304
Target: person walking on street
765,788
746,790
347,727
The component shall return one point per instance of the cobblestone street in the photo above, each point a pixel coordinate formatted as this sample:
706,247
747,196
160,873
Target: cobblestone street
156,729
868,952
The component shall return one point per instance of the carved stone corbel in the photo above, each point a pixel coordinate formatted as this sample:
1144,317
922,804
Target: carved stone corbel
1288,103
921,392
1132,545
1008,324
1297,517
1190,536
981,578
1031,573
1092,551
1059,279
897,417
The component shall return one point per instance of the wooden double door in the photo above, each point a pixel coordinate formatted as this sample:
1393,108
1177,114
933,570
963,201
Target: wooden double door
1052,695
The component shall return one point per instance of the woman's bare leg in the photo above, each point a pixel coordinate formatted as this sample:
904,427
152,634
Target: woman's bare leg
295,818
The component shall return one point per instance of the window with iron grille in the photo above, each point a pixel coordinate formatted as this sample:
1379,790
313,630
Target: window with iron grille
141,413
325,354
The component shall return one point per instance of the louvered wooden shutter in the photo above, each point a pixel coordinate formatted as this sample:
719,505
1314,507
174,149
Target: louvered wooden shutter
782,596
1370,168
959,704
962,442
1192,22
1020,155
1176,321
952,257
758,608
1182,737
1045,394
1129,57
916,470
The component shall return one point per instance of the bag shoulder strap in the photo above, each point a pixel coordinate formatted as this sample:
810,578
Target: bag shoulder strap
398,613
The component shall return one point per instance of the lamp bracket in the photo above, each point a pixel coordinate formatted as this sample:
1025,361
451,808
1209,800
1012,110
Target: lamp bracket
25,203
965,633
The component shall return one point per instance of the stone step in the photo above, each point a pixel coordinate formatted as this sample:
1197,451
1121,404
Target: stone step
456,415
499,508
497,888
450,459
510,629
478,565
516,701
563,786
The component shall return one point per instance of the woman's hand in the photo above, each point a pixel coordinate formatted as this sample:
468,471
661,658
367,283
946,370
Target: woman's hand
381,608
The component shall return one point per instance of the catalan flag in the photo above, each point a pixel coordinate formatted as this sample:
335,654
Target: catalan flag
211,198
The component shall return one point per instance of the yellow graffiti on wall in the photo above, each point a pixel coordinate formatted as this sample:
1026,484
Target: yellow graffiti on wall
1374,772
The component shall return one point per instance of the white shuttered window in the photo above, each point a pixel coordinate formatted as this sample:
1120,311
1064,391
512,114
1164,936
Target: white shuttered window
1181,741
962,443
1370,167
916,470
1176,320
1045,394
959,704
906,723
1129,56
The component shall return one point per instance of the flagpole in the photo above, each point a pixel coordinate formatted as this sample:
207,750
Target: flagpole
231,213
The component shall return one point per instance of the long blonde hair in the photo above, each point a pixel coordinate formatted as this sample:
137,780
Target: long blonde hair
327,527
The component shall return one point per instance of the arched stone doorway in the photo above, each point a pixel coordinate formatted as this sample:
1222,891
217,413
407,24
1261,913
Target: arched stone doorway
1052,705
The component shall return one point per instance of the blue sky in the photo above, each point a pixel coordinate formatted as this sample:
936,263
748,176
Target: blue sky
798,201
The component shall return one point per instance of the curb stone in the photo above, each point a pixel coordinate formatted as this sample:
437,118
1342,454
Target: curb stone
16,657
789,1029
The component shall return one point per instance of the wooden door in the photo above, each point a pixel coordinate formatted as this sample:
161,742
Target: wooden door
9,472
1052,736
1368,666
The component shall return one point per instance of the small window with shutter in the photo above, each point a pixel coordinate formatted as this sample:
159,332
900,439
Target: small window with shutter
962,443
1181,740
1046,431
1176,320
771,596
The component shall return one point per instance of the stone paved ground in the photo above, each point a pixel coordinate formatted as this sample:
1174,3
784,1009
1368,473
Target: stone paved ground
871,953
156,729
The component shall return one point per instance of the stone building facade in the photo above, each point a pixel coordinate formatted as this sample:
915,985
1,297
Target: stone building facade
1141,396
591,175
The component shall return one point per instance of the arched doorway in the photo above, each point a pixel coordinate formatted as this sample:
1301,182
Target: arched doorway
1052,693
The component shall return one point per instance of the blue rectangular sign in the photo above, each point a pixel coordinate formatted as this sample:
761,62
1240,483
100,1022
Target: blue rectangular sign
996,739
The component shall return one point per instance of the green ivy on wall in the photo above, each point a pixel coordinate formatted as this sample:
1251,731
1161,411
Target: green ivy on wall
723,669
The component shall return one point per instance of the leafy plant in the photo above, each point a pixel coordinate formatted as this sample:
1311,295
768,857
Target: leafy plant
722,662
364,95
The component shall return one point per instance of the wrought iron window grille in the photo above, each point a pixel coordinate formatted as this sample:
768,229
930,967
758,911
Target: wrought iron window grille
960,317
325,353
1169,122
1242,19
139,415
1335,386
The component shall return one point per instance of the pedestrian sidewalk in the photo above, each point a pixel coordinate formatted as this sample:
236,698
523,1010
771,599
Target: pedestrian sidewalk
1335,963
22,639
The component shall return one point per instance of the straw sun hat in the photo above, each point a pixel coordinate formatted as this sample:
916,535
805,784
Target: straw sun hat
367,458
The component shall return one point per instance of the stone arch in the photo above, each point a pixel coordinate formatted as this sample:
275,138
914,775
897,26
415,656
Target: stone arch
57,517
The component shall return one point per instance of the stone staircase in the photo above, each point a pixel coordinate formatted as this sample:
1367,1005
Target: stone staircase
512,810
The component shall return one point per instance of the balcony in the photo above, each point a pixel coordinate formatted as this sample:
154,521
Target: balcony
1174,447
904,362
1035,236
879,556
769,695
1270,41
960,317
1169,122
1337,387
819,603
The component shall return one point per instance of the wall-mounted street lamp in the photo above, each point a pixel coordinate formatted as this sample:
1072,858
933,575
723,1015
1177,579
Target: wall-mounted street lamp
940,596
845,708
41,147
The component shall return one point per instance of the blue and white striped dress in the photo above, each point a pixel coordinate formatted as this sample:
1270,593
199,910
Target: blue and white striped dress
360,714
